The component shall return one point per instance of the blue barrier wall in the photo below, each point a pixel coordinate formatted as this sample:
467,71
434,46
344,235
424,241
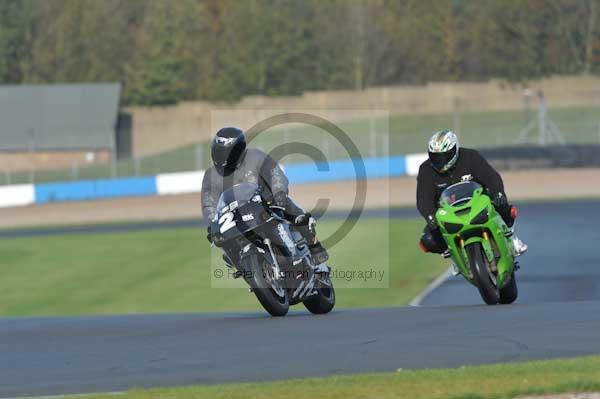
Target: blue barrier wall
144,186
95,189
346,170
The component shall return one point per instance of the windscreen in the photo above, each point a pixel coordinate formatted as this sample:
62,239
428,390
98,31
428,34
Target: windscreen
459,193
241,193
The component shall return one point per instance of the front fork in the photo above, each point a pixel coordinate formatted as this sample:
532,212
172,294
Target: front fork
277,269
502,263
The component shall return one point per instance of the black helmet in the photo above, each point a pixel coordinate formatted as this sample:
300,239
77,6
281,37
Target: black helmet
228,149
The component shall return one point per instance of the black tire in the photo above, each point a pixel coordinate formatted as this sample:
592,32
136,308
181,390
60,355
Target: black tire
510,292
273,303
324,301
486,286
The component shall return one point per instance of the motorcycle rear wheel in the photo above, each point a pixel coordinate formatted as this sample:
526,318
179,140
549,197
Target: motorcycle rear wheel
483,278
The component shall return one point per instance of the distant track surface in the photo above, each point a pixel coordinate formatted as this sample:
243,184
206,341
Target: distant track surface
557,315
395,213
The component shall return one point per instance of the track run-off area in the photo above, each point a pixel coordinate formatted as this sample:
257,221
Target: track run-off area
557,315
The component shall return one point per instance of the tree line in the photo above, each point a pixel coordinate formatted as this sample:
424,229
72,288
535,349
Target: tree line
165,51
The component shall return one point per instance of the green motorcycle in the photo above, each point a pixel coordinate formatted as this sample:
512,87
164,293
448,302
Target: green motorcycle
479,241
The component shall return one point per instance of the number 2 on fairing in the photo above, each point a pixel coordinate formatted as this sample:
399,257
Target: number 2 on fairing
226,222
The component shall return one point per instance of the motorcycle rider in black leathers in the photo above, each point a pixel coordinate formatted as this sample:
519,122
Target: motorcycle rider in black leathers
448,164
233,164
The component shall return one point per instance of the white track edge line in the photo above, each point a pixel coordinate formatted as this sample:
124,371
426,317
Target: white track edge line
431,287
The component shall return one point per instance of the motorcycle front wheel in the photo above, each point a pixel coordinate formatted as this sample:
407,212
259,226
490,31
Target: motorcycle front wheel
509,293
269,291
324,301
484,279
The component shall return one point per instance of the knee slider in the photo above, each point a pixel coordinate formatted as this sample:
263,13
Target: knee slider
429,243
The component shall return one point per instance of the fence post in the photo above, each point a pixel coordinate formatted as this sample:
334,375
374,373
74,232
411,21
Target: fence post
199,157
325,147
385,143
286,139
372,137
456,114
526,108
74,170
113,168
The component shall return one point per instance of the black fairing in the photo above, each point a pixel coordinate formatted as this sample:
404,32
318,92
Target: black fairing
243,223
250,222
249,213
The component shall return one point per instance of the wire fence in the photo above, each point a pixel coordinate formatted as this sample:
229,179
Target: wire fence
374,137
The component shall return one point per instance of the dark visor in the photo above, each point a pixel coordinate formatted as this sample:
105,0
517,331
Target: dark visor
220,155
441,159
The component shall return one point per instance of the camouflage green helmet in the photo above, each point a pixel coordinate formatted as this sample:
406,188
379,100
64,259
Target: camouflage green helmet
443,150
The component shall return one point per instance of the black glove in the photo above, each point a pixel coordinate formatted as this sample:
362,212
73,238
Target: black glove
208,235
432,223
280,199
502,206
500,201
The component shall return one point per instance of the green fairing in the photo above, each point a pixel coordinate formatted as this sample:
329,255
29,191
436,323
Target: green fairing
497,232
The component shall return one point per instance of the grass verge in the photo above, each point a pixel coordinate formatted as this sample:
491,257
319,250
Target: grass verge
168,270
482,382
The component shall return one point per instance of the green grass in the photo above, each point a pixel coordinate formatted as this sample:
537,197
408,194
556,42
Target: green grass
398,135
170,271
483,382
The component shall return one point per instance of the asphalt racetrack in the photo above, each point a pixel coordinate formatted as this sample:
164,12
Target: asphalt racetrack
557,315
561,265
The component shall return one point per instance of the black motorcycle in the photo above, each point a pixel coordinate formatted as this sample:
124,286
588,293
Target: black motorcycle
269,253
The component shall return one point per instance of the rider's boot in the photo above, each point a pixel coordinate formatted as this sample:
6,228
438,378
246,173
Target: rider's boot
446,255
519,246
306,225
